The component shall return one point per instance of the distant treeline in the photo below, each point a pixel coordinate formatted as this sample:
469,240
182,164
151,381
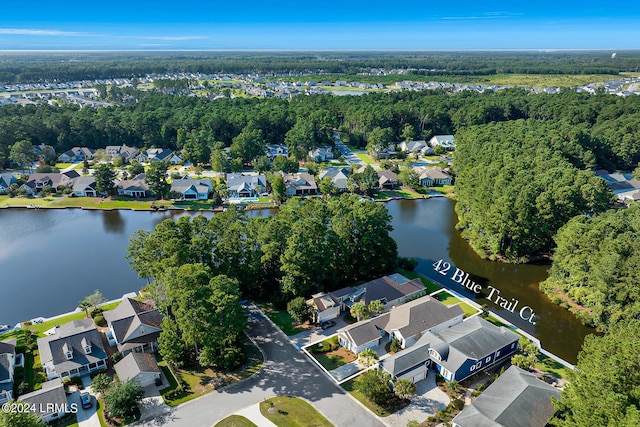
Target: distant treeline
37,67
605,128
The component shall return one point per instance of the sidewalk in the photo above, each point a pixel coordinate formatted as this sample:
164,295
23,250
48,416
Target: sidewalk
252,413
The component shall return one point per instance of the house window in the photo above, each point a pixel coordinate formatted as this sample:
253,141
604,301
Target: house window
513,345
69,355
472,368
497,353
87,349
479,364
488,359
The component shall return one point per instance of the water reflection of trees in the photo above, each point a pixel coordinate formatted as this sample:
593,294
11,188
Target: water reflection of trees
113,222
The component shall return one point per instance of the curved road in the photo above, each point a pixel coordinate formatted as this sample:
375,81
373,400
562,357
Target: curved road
285,372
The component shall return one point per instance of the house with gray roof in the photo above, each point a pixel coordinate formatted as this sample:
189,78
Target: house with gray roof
127,153
433,176
413,146
140,367
338,176
134,326
85,186
273,150
38,181
7,369
412,364
242,186
299,184
445,141
50,402
516,399
321,154
74,349
192,189
388,180
135,187
391,290
76,154
6,179
469,347
407,323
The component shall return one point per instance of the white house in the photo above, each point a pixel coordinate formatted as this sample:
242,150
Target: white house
321,154
445,141
192,189
432,176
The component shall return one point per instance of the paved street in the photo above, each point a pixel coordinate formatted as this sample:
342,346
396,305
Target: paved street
348,155
285,372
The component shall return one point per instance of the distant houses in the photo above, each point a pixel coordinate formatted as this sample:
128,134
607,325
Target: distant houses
445,141
76,154
273,150
338,176
623,185
6,179
125,152
300,184
39,181
321,154
135,187
191,189
432,176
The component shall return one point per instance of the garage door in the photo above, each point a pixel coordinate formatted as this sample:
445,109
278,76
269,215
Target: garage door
419,377
146,380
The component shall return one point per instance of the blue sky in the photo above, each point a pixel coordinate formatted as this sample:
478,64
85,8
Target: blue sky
297,25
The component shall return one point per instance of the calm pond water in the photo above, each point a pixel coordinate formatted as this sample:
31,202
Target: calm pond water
51,259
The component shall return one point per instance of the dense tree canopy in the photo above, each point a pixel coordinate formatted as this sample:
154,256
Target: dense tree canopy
517,186
604,390
596,266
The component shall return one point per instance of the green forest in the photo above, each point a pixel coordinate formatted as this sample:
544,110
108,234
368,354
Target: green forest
26,67
307,246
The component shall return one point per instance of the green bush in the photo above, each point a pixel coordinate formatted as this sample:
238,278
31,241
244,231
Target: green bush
458,404
395,345
99,320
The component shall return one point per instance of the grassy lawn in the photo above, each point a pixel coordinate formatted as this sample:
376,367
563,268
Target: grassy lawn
547,80
398,193
99,203
69,420
365,158
235,421
330,355
110,306
292,412
197,381
103,422
281,318
62,165
549,365
381,411
431,287
448,299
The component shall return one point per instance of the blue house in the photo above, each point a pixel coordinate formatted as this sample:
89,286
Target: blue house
469,347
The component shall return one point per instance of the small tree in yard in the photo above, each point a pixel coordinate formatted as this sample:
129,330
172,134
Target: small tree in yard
376,306
374,385
529,355
368,357
19,418
93,300
298,309
121,398
101,383
404,388
395,345
359,310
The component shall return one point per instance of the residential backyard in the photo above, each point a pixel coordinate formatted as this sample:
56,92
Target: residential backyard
449,299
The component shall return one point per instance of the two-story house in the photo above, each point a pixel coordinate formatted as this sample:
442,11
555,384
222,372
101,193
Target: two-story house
134,326
74,349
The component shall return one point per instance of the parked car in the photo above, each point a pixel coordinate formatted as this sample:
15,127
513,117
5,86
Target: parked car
86,400
327,324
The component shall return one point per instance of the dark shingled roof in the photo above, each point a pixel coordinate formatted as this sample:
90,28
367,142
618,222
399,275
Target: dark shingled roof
129,315
407,359
361,332
135,363
71,335
516,399
52,393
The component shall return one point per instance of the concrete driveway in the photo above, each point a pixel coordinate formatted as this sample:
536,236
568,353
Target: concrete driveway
285,372
316,334
86,417
429,399
152,404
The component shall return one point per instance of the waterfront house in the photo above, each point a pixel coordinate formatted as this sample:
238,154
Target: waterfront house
388,180
7,369
413,146
6,179
49,403
140,367
38,181
241,186
127,153
432,176
299,184
135,187
76,154
469,347
191,189
85,186
134,326
391,290
338,176
407,323
516,399
73,349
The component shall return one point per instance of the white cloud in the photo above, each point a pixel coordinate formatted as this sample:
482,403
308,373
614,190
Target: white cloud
35,32
171,38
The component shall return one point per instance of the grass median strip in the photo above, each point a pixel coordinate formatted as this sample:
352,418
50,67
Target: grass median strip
286,411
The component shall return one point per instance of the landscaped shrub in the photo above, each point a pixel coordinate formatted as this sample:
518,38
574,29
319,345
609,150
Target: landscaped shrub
458,404
99,320
395,345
